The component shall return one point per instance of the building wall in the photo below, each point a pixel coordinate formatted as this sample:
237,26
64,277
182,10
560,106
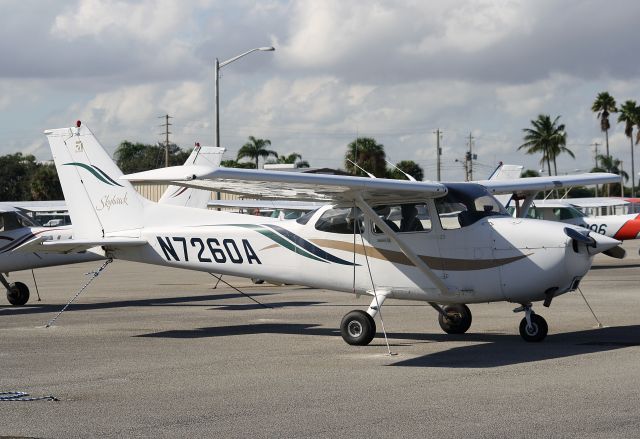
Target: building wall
153,192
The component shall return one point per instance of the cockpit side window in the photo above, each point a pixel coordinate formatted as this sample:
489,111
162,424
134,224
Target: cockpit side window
341,220
304,219
404,218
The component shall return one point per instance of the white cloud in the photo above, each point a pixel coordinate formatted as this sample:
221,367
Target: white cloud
470,26
147,20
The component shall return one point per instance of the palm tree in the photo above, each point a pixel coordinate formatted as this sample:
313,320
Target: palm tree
604,105
606,163
630,115
546,137
256,148
368,154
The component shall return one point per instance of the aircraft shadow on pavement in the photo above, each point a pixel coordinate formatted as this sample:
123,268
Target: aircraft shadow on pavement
487,350
503,350
250,306
610,266
163,301
259,328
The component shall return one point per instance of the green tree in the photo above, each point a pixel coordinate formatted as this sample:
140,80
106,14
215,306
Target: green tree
256,148
604,105
606,163
546,137
368,154
45,185
136,157
16,175
408,166
236,164
529,173
630,115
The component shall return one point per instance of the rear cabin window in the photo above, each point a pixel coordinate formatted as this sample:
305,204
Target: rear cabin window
341,220
404,218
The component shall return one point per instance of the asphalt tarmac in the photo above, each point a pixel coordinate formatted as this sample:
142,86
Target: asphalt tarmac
152,352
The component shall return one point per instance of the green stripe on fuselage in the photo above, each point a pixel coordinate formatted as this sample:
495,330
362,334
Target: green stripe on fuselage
279,240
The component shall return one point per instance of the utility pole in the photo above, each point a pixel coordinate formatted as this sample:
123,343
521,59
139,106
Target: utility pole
470,158
166,133
438,134
595,158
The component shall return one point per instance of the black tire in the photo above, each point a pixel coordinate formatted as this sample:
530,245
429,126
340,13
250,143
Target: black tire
538,330
458,320
18,294
257,281
358,328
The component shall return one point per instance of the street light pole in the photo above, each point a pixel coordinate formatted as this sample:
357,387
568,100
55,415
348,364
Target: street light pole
217,67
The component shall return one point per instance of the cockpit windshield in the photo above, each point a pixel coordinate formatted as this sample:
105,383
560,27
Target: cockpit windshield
465,204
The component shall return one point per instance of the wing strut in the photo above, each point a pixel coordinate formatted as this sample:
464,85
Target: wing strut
419,263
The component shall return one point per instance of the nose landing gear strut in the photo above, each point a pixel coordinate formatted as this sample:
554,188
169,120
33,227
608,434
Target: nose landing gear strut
533,328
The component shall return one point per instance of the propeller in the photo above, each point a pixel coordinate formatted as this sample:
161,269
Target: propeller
616,252
581,236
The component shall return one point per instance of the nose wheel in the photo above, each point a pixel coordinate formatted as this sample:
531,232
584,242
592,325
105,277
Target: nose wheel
533,328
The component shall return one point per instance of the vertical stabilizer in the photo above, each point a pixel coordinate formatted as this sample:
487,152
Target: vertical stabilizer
99,203
506,172
188,197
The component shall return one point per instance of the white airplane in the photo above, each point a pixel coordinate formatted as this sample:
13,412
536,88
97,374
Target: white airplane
452,243
16,228
621,227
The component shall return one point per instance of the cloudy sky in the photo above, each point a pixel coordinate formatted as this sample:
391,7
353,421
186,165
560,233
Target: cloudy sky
395,71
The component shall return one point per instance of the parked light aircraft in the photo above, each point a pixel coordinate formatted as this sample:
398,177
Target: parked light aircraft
621,227
452,244
16,228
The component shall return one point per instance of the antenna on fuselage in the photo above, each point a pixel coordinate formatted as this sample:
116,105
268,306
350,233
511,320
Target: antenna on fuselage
356,165
410,177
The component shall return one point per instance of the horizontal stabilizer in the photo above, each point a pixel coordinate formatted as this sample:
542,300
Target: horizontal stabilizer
167,175
42,245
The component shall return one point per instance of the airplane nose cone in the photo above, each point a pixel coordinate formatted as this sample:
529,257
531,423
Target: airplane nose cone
602,243
594,242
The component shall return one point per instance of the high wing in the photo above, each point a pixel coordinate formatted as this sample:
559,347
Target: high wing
525,186
262,184
37,206
596,202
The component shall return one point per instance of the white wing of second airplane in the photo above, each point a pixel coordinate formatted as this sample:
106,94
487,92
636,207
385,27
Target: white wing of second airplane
528,185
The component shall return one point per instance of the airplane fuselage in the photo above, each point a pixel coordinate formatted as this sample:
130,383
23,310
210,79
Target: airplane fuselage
490,260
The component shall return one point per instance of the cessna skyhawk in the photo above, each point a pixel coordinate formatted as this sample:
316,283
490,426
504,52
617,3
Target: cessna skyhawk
448,244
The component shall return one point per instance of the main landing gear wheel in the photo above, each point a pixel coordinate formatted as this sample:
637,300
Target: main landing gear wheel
535,332
18,294
358,328
458,319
